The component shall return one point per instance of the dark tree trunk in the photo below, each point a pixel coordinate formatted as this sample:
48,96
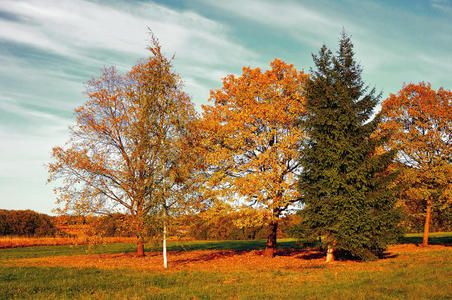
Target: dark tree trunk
253,234
139,225
428,216
270,249
140,247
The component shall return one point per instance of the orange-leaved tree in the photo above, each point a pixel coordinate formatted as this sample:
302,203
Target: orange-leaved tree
253,138
130,146
419,121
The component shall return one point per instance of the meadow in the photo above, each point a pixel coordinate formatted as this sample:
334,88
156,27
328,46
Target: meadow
224,270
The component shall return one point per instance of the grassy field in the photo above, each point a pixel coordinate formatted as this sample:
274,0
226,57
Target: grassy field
224,270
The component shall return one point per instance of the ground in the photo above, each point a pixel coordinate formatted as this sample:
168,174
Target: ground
224,270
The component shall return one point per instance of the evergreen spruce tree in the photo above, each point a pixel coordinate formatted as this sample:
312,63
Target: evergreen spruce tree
345,183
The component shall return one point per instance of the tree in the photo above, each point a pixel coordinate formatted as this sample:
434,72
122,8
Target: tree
344,187
26,223
214,222
419,121
251,220
181,162
124,146
222,221
253,139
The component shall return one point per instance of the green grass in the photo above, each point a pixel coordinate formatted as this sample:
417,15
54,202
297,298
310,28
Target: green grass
418,275
427,280
43,251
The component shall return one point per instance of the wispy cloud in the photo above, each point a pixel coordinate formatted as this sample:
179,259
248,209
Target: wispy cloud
383,41
296,19
443,5
82,30
48,48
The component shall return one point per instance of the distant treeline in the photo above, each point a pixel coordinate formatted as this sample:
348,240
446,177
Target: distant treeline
205,226
27,223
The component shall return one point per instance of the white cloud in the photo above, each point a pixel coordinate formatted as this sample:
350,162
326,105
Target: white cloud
43,120
66,27
298,20
389,42
443,5
66,41
80,30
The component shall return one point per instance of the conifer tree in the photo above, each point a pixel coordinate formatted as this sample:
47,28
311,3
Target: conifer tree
345,184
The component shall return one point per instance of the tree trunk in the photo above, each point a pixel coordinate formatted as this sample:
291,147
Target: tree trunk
428,216
165,263
139,223
270,249
330,254
140,247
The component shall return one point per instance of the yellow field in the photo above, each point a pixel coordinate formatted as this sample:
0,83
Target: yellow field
15,242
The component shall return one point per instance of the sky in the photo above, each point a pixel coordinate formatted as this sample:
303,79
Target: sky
49,49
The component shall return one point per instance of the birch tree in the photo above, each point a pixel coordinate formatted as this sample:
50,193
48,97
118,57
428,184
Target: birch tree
129,146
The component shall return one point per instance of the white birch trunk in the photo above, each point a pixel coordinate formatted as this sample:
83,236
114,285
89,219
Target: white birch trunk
165,262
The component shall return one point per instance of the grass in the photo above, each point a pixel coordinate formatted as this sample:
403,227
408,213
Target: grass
435,238
44,251
412,273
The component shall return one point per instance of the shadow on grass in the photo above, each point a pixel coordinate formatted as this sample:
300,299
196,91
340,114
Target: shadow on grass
228,245
210,256
388,255
302,254
432,240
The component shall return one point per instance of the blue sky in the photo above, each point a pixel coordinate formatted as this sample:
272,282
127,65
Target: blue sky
49,48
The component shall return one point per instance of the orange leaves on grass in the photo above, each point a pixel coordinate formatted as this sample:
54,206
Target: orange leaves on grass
224,260
200,260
